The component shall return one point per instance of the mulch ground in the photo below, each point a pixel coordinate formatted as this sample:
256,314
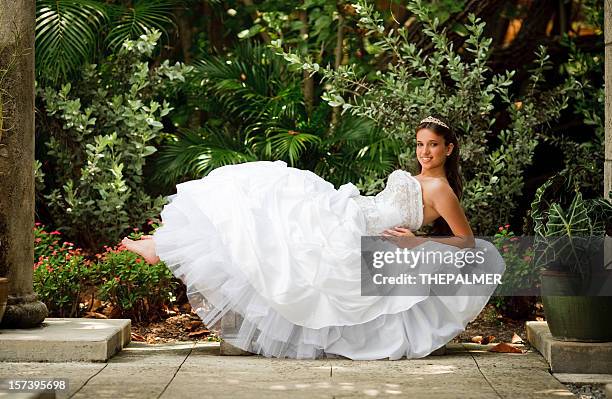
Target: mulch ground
491,324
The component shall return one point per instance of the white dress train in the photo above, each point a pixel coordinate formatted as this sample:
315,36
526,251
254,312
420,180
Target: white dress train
281,247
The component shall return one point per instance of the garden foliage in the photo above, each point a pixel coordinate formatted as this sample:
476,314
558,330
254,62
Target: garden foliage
102,130
264,118
461,87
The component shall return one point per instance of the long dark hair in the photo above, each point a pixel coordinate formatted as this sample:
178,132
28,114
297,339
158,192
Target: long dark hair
451,167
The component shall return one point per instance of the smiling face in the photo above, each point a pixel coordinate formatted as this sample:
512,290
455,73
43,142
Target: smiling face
431,149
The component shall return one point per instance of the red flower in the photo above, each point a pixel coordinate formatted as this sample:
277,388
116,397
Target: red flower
138,260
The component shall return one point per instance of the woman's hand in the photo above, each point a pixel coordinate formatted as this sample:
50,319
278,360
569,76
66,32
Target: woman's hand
401,236
398,232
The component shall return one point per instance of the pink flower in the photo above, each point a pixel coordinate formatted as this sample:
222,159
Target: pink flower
37,240
136,229
37,224
501,228
55,233
507,226
527,258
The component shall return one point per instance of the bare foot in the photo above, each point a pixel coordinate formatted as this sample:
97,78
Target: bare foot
144,248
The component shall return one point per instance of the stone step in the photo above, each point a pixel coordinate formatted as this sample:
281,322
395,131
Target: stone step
66,340
570,357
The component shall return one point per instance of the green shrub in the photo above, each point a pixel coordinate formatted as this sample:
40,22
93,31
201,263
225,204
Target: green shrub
133,287
102,128
61,273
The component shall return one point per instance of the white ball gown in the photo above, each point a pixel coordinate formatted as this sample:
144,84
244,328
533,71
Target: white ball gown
281,247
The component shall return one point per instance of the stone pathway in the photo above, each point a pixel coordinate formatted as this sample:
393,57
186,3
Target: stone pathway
195,370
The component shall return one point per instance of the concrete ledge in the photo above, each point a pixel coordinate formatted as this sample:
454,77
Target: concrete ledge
568,378
570,357
609,390
66,340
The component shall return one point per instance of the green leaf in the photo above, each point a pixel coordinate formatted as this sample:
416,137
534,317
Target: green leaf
67,32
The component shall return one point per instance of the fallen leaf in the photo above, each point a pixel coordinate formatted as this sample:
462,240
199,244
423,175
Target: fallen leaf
487,339
194,324
505,348
138,337
477,339
516,339
95,315
199,333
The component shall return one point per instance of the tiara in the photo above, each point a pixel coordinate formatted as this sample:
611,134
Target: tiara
434,120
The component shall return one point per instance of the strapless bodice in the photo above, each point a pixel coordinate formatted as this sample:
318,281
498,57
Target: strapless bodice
399,204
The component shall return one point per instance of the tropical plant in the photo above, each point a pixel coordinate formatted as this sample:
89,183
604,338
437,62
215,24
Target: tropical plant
458,84
569,229
256,111
70,33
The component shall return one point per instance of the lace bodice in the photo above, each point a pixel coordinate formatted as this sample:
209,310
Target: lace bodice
399,204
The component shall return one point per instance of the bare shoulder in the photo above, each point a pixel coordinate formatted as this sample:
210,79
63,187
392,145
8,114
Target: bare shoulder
437,187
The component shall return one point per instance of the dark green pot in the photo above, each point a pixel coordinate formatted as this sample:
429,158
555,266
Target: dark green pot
575,318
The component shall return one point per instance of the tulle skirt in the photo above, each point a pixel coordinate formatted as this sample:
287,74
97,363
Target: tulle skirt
280,247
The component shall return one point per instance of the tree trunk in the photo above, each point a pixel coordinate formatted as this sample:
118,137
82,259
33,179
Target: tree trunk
308,81
608,109
17,164
339,54
184,24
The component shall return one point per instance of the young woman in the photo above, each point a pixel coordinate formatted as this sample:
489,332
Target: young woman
282,248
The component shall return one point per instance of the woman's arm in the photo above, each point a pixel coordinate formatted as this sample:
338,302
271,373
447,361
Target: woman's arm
447,205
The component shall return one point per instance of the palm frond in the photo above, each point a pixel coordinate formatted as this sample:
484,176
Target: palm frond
251,84
194,154
288,144
131,22
66,35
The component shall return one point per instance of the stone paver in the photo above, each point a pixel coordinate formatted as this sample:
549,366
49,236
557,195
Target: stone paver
189,370
65,340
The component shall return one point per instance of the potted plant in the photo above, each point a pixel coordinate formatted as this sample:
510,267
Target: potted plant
570,233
